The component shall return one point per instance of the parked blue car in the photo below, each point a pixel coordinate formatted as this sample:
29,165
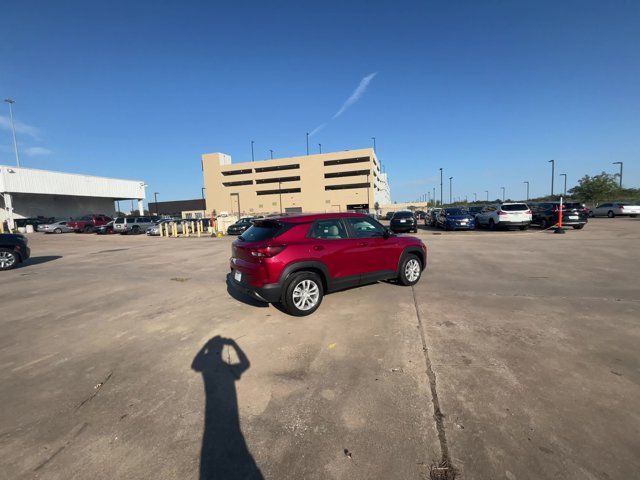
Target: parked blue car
456,219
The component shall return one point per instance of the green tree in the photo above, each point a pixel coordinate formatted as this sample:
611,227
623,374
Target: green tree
596,189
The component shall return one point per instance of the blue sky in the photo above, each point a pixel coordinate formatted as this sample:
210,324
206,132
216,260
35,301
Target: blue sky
490,91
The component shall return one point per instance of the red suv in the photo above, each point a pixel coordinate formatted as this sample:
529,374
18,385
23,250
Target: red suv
295,260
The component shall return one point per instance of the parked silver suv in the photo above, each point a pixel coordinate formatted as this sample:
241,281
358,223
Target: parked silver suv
133,224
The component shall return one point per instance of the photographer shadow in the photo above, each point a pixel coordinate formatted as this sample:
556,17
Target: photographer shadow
224,453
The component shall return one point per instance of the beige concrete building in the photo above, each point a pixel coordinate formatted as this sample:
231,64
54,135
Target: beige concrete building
326,182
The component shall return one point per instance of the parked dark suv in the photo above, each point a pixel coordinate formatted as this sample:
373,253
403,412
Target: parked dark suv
14,249
404,221
295,260
545,214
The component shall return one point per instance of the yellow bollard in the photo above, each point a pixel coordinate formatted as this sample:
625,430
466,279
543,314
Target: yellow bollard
185,229
199,228
160,229
175,230
166,229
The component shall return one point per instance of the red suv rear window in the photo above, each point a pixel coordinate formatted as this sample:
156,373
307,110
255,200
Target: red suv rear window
262,230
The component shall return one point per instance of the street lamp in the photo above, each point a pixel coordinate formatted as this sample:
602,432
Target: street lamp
374,143
252,142
13,129
307,143
553,170
202,191
155,199
565,183
527,182
320,147
271,153
614,163
502,193
450,189
487,192
441,186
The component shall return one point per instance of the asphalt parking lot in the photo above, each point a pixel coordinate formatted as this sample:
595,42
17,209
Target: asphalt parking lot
117,362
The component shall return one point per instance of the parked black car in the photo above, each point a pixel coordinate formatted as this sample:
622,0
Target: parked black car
240,226
545,214
106,229
404,221
14,249
389,215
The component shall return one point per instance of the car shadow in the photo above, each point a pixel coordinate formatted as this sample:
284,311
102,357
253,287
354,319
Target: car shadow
38,260
224,453
241,296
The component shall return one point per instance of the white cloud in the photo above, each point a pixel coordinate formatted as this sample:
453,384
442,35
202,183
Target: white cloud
357,93
353,98
21,128
36,151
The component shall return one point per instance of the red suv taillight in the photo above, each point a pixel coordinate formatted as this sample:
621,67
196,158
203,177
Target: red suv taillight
267,251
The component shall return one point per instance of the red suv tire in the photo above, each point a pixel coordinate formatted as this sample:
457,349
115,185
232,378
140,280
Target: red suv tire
302,294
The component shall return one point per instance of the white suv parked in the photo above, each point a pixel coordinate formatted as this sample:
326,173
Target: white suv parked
506,215
133,224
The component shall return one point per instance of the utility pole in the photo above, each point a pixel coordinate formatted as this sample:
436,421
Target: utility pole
527,182
450,189
252,142
13,129
374,144
502,193
155,199
614,163
475,197
307,143
434,195
320,147
271,152
553,173
565,183
440,186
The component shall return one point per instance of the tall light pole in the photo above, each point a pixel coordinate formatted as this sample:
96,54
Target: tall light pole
502,193
374,143
155,199
487,192
13,129
320,147
527,182
307,143
475,197
252,142
202,191
440,186
614,163
450,189
434,195
553,173
271,153
565,183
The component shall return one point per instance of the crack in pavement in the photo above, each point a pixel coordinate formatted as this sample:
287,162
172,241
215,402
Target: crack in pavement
438,416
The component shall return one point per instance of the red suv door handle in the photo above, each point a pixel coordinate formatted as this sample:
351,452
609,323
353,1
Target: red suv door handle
363,244
318,247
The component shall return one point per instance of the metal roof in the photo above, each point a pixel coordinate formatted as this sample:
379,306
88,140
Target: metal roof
46,182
